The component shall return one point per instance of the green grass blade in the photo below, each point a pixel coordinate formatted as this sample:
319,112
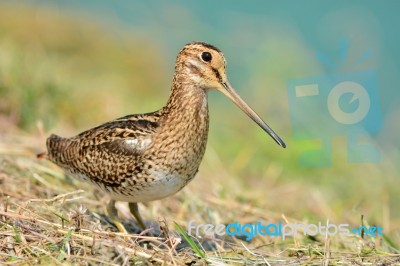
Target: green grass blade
390,242
17,237
190,241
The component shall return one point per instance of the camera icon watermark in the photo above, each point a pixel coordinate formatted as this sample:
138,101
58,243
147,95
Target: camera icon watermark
332,105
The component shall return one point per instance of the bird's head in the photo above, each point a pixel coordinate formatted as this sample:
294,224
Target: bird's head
204,65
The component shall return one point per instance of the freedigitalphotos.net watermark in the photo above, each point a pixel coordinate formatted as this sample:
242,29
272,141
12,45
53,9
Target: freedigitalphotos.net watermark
279,230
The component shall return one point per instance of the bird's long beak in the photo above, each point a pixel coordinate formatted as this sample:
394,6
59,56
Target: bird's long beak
231,94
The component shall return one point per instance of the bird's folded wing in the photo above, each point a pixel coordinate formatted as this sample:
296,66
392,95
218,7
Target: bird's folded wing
124,137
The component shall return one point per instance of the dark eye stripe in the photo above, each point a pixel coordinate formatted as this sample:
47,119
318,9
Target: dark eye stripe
217,74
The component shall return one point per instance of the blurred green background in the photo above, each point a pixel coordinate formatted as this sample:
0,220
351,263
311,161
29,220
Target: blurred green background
75,64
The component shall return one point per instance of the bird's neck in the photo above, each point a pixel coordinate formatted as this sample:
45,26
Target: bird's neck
187,98
184,125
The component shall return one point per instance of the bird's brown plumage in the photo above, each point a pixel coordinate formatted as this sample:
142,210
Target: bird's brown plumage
144,157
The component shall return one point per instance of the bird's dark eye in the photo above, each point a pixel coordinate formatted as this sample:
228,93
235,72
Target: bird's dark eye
206,56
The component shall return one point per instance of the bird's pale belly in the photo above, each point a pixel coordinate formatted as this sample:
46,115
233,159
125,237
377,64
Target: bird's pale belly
162,186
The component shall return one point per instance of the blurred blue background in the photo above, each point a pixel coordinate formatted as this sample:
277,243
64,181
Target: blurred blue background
268,42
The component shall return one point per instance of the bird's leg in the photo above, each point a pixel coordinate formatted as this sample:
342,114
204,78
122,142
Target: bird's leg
133,207
113,214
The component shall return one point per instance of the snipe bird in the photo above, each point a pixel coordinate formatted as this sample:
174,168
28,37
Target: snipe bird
146,157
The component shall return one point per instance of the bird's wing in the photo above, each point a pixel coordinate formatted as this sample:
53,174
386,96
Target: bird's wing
114,143
130,129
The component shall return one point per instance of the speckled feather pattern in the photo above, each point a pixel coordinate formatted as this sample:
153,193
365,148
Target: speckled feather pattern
145,157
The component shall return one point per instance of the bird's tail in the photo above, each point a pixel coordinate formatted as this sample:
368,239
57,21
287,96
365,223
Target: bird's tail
55,147
42,155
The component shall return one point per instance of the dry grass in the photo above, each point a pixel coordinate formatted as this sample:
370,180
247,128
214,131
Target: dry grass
48,218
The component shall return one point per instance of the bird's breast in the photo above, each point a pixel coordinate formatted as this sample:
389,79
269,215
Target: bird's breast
180,145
